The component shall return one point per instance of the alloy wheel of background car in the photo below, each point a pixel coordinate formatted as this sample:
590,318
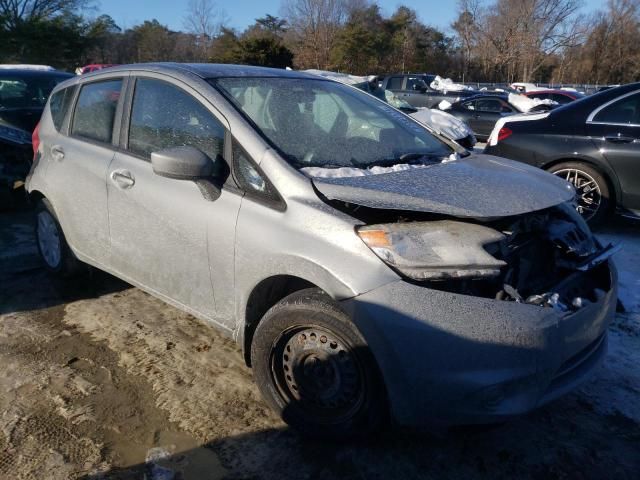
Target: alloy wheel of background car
314,368
592,193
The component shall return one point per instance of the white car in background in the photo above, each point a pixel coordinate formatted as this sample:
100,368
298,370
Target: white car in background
438,120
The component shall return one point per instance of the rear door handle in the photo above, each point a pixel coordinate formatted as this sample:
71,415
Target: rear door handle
57,152
123,179
619,139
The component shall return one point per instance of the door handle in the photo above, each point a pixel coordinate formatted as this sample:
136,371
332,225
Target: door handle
619,139
123,179
57,152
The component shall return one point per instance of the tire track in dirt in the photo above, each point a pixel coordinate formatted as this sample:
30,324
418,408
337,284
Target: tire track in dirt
67,409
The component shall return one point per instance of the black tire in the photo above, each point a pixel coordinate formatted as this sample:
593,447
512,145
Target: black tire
314,368
606,202
64,263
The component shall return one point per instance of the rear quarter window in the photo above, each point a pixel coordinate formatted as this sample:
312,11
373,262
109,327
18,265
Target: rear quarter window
59,104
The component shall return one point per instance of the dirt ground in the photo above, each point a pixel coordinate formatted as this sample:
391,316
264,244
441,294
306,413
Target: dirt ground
100,380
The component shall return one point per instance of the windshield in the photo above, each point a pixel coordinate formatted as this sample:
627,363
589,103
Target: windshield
27,92
325,124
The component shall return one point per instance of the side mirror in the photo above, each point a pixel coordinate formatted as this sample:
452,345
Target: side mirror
182,163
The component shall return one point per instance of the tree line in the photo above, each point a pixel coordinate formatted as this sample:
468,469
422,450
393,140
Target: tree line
489,41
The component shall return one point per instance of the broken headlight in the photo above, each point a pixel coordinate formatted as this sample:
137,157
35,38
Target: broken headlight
435,250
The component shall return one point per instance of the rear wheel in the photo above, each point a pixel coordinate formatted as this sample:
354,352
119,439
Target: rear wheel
593,198
314,368
52,245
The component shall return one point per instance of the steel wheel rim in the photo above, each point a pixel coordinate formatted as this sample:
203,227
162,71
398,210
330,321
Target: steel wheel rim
49,239
588,196
317,372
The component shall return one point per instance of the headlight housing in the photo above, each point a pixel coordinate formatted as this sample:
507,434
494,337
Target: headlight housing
436,250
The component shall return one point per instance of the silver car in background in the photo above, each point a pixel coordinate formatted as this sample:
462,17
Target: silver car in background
370,269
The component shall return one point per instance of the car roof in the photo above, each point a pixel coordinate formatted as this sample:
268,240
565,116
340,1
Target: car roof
30,73
209,70
501,96
553,90
585,105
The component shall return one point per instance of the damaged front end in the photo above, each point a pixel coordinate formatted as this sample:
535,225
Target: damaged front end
547,258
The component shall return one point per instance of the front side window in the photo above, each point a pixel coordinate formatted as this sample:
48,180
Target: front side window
624,111
415,83
322,123
489,105
165,116
96,110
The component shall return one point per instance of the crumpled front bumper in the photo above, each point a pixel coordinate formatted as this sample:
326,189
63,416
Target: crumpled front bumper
453,359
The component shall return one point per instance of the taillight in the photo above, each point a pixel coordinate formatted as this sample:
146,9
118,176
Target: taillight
35,140
504,133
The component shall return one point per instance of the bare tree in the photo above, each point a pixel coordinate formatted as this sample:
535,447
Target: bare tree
204,20
13,12
314,28
466,27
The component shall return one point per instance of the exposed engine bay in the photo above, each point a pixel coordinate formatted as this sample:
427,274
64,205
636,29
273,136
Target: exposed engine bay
548,258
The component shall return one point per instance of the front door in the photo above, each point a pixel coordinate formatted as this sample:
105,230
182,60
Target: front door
165,235
615,130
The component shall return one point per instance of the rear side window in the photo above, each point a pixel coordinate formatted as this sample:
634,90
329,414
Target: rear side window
165,116
59,104
625,111
96,109
394,83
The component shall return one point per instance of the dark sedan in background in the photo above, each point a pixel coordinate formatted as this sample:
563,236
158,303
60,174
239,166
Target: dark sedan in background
594,143
481,112
23,95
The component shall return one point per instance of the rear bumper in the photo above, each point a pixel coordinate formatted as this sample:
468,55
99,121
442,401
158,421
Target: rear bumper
455,359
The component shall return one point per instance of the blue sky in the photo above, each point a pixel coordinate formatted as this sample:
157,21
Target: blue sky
126,13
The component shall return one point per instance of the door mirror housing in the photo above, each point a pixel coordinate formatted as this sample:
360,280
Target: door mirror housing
182,163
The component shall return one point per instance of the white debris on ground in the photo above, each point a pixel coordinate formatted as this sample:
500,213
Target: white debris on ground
447,85
443,122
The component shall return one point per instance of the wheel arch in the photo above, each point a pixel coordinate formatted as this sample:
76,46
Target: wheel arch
263,296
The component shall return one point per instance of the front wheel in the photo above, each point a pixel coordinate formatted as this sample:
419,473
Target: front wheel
314,368
593,199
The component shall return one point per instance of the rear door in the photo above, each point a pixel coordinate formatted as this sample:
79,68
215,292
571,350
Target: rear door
615,129
165,234
78,158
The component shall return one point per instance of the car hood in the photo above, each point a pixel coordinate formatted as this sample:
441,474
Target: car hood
477,186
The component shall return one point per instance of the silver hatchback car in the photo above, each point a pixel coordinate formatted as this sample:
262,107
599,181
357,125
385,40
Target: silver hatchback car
370,268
